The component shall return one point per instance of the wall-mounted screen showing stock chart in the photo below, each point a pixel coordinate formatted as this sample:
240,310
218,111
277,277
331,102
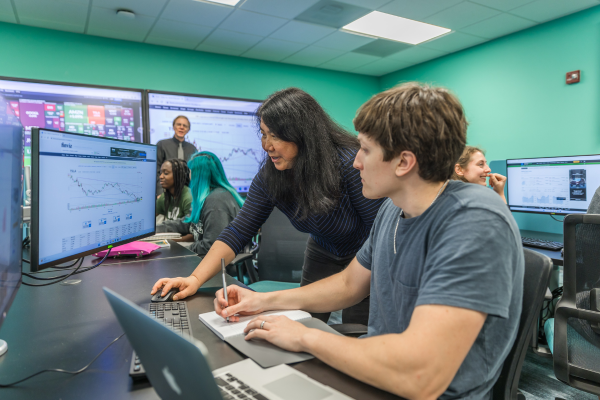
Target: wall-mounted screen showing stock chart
552,185
222,126
95,111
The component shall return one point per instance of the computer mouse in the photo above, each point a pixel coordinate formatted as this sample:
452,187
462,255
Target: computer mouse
168,297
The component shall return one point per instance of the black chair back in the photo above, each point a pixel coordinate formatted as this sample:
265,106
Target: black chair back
577,318
282,247
535,282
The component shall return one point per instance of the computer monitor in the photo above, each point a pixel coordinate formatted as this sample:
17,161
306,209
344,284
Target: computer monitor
552,185
89,193
220,125
11,228
86,109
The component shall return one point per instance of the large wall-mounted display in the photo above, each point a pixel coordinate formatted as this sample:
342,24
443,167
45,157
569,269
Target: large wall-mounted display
92,110
223,126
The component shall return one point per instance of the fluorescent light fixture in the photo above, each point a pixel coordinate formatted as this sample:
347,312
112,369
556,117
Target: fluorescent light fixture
224,2
391,27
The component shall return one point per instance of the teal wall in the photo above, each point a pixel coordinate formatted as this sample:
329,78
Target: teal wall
515,96
37,53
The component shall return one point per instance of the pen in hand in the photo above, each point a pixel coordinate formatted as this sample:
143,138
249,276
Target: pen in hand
224,283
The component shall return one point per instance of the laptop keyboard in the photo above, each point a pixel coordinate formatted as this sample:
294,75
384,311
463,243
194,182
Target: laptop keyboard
232,388
175,316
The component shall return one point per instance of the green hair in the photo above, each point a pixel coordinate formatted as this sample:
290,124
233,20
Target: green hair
207,175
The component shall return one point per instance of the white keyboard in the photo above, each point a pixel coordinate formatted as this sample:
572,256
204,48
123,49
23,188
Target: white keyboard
162,236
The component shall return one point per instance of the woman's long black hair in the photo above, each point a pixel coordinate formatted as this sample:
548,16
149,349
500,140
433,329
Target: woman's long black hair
314,182
181,178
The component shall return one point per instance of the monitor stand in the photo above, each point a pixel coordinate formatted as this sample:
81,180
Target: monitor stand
3,347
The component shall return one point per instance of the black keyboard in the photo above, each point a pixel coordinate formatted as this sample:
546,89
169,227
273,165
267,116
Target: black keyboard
232,388
542,244
174,315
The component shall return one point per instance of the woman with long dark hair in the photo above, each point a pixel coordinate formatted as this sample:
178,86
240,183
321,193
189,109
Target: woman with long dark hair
307,174
215,203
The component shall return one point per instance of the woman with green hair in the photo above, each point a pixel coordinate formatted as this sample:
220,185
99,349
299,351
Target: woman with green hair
215,203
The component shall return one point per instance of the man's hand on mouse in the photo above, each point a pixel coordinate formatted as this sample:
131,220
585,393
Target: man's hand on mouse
241,301
187,286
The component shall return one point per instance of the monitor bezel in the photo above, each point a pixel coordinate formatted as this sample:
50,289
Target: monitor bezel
35,212
11,299
540,212
147,94
144,107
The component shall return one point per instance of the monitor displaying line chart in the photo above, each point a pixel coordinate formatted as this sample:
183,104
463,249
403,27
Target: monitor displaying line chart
225,127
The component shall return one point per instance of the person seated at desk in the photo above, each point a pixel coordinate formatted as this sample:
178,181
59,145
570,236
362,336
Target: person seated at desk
307,173
176,200
443,263
215,203
472,167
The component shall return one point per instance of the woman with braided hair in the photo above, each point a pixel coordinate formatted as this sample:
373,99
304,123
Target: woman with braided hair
176,201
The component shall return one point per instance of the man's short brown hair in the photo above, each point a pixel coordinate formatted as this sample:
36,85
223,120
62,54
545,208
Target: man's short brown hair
428,121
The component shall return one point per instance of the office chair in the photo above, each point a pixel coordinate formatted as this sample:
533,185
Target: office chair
281,254
537,274
576,327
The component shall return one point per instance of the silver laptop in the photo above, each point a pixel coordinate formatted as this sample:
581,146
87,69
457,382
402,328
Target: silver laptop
177,367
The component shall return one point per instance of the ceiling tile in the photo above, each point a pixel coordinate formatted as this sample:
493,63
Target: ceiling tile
370,4
382,48
454,41
63,15
301,32
343,41
503,5
417,10
312,56
150,8
379,68
196,12
349,61
252,23
177,34
278,8
332,13
104,22
416,54
219,50
461,15
273,50
499,25
546,10
221,38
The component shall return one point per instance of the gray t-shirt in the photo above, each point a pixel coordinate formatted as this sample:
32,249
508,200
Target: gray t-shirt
464,251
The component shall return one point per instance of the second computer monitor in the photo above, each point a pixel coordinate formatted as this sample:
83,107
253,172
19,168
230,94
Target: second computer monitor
552,185
223,126
89,193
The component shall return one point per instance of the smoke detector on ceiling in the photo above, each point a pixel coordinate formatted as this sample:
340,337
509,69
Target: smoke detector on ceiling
125,14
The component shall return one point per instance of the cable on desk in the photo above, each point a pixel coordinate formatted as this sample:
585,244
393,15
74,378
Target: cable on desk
556,219
62,370
63,277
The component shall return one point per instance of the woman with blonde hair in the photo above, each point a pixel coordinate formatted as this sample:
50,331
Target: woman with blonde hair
472,167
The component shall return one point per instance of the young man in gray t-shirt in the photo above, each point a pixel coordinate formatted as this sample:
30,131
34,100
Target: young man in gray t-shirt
443,265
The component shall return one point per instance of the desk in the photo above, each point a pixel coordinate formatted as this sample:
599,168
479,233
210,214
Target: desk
66,326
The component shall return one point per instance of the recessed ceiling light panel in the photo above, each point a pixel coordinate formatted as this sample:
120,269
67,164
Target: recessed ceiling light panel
225,2
391,27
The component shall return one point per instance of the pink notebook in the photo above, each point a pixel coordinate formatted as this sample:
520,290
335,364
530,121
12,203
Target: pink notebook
138,249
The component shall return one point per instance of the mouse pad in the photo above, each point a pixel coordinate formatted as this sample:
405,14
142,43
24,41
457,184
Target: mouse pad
268,355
